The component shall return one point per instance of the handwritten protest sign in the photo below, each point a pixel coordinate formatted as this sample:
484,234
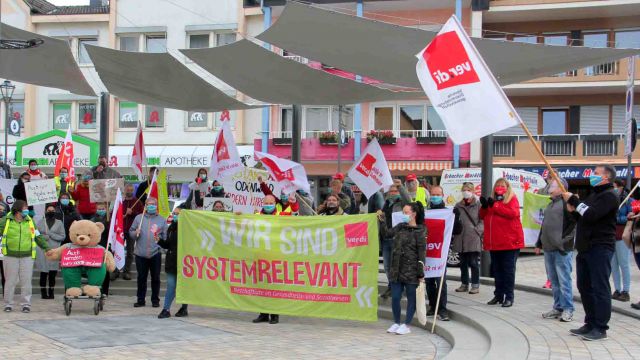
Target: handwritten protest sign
41,192
105,190
75,257
244,191
210,201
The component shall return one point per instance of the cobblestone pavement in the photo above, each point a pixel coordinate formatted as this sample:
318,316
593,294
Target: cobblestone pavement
125,332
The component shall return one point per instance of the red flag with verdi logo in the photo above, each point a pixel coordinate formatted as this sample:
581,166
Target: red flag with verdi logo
65,157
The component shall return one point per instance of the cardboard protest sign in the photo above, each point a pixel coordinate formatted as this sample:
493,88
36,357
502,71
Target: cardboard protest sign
244,191
210,201
317,266
105,190
41,192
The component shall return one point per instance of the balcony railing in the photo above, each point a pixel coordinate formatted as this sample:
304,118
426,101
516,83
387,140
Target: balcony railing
602,69
600,145
561,145
504,147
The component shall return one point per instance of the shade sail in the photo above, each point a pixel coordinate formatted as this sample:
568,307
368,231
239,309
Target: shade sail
269,77
387,52
158,79
50,64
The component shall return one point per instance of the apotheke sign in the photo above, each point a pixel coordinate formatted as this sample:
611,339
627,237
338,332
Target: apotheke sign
45,148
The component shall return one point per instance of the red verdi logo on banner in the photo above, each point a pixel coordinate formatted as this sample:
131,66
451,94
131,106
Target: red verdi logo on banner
221,148
435,240
366,165
452,67
356,234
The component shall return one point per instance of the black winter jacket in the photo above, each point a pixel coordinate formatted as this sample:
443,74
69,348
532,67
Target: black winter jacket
171,244
408,252
596,217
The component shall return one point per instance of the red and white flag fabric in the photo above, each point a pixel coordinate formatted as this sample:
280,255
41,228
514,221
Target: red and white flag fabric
440,224
65,158
138,155
225,159
461,87
290,176
116,232
371,172
153,187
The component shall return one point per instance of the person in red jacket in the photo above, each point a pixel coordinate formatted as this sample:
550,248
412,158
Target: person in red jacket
503,238
85,207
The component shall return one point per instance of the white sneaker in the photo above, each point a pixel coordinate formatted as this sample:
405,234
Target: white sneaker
567,316
403,330
393,328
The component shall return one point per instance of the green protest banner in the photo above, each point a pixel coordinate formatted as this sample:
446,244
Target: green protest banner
532,215
318,266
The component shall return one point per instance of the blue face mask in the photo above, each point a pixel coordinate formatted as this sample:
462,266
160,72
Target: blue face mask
217,188
594,180
175,218
394,197
86,178
151,209
101,213
404,218
436,200
269,208
63,176
284,198
25,212
64,202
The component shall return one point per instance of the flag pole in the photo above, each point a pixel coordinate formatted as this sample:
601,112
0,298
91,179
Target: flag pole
435,314
513,110
311,207
629,195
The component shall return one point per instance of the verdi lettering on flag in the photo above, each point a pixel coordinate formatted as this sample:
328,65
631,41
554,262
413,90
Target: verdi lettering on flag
317,266
371,173
439,224
532,216
461,87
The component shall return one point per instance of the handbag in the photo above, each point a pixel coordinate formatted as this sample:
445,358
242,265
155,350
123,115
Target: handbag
421,303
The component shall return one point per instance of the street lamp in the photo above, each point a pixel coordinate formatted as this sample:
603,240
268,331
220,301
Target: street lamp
7,89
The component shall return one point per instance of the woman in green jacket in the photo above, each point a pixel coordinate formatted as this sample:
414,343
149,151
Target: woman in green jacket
19,240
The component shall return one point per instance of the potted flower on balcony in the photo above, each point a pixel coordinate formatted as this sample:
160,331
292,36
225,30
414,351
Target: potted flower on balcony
328,138
385,137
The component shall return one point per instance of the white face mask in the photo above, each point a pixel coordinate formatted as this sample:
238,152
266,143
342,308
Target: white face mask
33,167
467,194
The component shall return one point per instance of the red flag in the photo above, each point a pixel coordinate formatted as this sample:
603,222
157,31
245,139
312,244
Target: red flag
290,176
116,232
153,188
65,157
138,156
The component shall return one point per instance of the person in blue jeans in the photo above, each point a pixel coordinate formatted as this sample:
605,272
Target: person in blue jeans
620,267
171,267
556,238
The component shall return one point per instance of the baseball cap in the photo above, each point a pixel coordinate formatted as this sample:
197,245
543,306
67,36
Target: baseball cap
339,176
412,177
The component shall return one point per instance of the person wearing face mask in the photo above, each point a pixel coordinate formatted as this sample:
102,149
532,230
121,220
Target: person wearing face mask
53,230
218,206
35,172
595,243
5,169
556,239
620,266
64,183
331,206
147,229
20,192
171,267
396,199
101,217
344,188
217,190
81,195
416,192
19,241
133,208
103,170
198,189
66,212
407,262
469,242
269,209
503,238
143,187
282,203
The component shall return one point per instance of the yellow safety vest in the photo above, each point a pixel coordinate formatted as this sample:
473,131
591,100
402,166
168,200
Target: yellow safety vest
59,185
421,196
32,229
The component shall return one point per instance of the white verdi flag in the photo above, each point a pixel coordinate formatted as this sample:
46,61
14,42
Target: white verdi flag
138,155
290,176
461,87
371,172
440,224
116,232
225,159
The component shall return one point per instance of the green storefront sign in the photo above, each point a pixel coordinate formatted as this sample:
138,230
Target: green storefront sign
45,148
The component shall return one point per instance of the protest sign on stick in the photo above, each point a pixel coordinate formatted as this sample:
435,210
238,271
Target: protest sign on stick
41,192
105,190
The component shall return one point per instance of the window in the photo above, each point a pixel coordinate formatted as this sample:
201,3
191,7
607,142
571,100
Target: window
154,117
557,40
595,40
16,112
130,43
83,55
628,39
61,115
347,118
286,119
198,41
554,122
197,119
526,39
433,120
411,118
383,118
128,115
86,115
225,38
316,120
225,115
156,43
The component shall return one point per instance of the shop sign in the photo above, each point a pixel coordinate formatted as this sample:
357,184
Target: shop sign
45,148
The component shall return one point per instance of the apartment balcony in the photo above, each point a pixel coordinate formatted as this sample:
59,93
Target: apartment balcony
574,147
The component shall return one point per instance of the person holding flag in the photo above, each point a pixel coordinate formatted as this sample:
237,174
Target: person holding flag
101,217
64,183
132,207
143,187
64,173
198,189
171,266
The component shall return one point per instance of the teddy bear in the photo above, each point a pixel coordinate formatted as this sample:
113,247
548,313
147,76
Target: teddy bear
83,256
